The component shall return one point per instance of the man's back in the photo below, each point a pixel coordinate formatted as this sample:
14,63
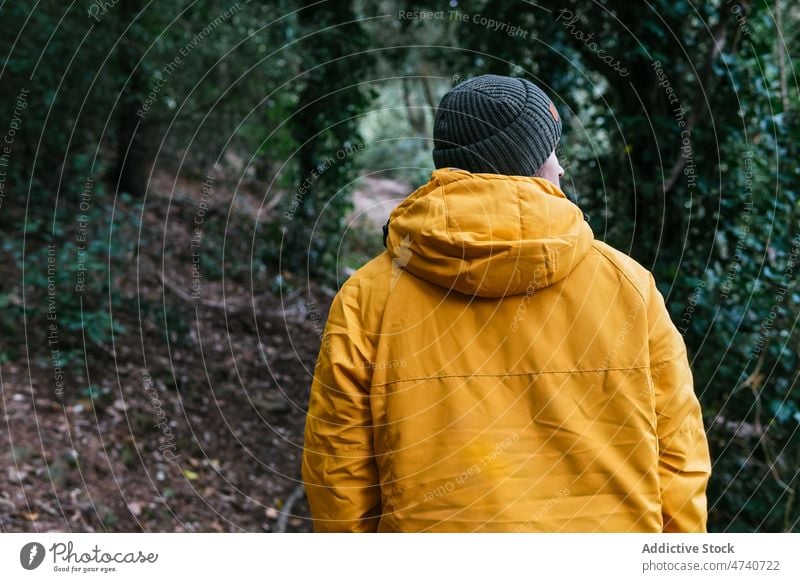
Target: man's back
500,370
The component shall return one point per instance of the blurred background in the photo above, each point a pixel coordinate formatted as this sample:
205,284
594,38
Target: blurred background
184,185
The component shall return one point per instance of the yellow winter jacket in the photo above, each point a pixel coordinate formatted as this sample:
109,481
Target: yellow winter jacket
499,369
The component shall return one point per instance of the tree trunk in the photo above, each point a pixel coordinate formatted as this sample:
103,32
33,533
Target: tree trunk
132,155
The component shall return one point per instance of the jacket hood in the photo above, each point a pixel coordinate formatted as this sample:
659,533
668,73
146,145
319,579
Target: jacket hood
488,235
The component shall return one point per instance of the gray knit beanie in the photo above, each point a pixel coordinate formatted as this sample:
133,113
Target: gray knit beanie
496,125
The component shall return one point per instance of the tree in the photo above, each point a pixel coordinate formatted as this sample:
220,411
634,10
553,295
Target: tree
332,92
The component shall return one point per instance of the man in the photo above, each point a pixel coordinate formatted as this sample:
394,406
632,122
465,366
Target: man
499,369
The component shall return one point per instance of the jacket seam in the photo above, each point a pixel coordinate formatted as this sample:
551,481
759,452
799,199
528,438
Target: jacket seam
664,361
519,208
594,370
334,450
441,189
621,270
447,223
519,213
683,432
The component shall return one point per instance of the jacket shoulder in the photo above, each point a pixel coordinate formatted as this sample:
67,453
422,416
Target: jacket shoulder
628,268
367,289
372,275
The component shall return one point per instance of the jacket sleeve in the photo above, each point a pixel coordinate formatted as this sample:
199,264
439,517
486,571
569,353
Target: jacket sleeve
339,469
684,461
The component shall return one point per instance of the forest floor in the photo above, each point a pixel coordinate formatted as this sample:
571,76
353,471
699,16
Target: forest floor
191,421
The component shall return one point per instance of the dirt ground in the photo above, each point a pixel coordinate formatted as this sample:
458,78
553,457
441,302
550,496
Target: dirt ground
198,429
228,461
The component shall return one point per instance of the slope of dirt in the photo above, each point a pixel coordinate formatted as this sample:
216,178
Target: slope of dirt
190,421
